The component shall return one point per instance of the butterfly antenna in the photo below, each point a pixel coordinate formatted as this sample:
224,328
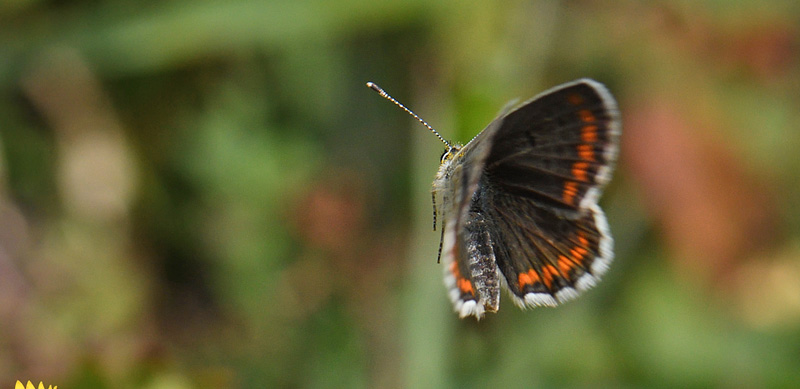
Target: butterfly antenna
386,96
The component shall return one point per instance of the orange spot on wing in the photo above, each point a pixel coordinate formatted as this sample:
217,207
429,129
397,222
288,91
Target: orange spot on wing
578,252
579,171
575,99
565,264
534,276
529,278
549,272
586,152
463,284
582,239
586,115
570,191
589,133
574,253
524,279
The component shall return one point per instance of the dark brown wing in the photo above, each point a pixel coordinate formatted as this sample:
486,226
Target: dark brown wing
545,171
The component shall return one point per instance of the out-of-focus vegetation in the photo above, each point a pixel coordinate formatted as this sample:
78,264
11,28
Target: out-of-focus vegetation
205,194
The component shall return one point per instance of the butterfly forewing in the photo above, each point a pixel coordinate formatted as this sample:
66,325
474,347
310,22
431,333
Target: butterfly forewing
557,149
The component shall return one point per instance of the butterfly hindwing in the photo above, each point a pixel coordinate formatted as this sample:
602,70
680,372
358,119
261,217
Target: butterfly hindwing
546,258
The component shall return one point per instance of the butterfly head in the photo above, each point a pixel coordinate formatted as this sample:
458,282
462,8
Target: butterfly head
450,152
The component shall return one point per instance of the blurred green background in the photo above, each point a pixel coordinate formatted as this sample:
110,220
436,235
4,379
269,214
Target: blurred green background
205,194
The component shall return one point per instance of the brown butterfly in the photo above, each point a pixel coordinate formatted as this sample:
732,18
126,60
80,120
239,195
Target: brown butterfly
519,201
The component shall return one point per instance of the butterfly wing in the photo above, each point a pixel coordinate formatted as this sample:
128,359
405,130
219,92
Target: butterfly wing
546,168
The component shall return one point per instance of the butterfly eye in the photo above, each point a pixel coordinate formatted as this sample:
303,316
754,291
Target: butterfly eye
449,153
444,155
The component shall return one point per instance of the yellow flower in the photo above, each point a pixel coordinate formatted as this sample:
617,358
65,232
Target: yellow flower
30,386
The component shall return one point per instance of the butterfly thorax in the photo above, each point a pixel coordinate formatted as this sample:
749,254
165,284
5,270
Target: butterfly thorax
442,184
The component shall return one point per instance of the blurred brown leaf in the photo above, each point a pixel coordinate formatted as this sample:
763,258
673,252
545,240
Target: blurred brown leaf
713,214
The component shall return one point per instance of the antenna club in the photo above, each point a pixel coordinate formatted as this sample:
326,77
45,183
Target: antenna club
375,87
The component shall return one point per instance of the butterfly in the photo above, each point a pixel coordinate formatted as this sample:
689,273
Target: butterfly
519,202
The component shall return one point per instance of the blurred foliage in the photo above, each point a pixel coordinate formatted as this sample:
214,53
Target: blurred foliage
204,194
